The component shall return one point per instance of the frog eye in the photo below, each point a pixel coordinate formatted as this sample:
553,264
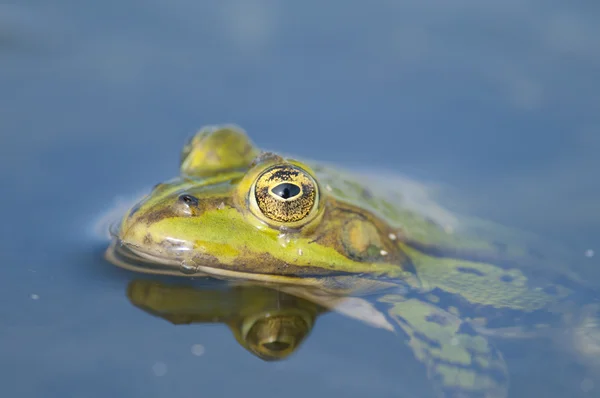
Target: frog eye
285,193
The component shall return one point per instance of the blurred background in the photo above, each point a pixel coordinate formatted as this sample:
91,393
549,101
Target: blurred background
497,102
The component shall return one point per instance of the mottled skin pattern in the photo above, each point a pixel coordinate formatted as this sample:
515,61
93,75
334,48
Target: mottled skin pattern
223,217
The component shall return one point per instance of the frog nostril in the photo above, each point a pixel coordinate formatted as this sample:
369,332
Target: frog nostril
189,200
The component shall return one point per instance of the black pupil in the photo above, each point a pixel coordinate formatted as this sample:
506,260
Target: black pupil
189,200
286,190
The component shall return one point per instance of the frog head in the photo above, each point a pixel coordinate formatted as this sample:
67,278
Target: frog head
268,220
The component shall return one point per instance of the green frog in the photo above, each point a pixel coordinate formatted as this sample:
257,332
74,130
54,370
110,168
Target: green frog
269,323
444,284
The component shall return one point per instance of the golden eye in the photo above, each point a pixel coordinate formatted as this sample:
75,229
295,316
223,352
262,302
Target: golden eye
285,193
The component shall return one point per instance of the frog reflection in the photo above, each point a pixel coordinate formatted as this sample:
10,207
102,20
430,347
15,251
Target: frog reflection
267,322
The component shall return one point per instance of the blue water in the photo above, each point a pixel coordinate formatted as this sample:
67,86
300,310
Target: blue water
496,101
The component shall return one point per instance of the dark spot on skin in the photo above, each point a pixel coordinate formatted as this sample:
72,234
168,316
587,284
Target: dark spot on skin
147,239
552,290
267,264
472,271
507,278
466,328
164,212
235,181
158,215
437,318
189,200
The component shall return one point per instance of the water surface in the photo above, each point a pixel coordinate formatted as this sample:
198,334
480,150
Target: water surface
496,102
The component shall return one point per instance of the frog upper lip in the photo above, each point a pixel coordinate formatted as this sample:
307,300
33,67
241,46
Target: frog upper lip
146,253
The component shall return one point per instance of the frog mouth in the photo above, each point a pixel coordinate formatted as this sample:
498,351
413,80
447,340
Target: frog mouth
133,258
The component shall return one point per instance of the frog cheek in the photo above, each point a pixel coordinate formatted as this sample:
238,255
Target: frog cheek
133,234
137,231
123,231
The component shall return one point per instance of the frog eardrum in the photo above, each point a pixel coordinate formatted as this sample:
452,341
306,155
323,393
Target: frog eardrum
285,193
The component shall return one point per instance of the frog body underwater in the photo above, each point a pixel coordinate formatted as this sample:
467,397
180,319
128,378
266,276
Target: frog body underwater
238,213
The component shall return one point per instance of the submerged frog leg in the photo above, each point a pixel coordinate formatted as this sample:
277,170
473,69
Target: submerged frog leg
460,362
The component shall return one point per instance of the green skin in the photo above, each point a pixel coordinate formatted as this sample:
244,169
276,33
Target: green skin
355,240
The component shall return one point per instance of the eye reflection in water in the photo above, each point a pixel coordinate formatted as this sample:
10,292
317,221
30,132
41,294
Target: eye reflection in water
267,322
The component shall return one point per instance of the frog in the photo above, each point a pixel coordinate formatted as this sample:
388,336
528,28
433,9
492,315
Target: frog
445,284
